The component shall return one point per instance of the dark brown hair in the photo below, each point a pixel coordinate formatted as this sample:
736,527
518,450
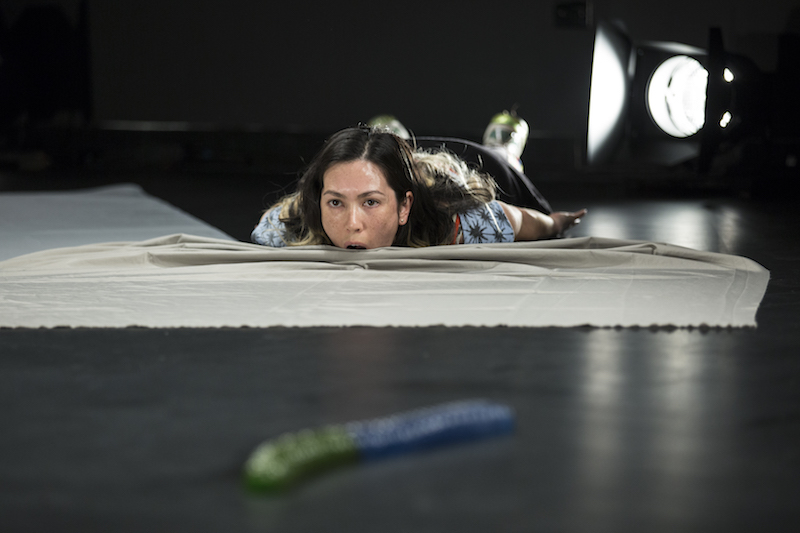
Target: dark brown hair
437,198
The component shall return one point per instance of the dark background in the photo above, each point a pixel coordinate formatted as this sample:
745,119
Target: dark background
305,68
439,66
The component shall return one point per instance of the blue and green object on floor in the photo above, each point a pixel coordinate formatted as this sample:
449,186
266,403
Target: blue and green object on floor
280,463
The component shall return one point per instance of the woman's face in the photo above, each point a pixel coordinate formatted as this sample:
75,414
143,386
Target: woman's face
359,208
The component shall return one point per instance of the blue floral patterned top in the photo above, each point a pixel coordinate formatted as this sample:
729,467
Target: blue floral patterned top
484,224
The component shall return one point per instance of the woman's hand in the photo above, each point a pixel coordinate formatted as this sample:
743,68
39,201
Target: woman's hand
564,220
531,225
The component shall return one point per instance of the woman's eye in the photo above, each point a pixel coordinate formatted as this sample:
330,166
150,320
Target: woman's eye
371,203
334,203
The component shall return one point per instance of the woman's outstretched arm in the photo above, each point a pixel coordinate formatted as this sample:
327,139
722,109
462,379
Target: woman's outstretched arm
531,225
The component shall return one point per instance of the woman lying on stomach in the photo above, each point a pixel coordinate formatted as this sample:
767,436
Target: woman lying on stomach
369,188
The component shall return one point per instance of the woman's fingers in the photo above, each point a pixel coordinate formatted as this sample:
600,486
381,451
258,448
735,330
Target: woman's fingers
564,220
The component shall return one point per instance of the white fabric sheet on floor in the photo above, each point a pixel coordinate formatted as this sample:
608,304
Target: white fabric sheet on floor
189,281
34,221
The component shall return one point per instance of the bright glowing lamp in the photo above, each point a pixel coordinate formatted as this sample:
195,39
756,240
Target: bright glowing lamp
676,96
665,103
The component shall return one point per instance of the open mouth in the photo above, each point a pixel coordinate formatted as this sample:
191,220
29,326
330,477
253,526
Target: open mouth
356,247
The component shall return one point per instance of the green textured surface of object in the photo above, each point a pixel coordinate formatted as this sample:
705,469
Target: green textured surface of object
279,463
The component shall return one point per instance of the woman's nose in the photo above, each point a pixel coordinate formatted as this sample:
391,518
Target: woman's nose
354,219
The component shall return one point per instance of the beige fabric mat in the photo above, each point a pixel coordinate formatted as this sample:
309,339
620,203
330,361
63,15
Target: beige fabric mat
190,281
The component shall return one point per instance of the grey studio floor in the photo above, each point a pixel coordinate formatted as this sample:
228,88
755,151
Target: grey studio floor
640,430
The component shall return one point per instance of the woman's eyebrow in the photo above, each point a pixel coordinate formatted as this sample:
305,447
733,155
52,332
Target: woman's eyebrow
370,193
362,195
